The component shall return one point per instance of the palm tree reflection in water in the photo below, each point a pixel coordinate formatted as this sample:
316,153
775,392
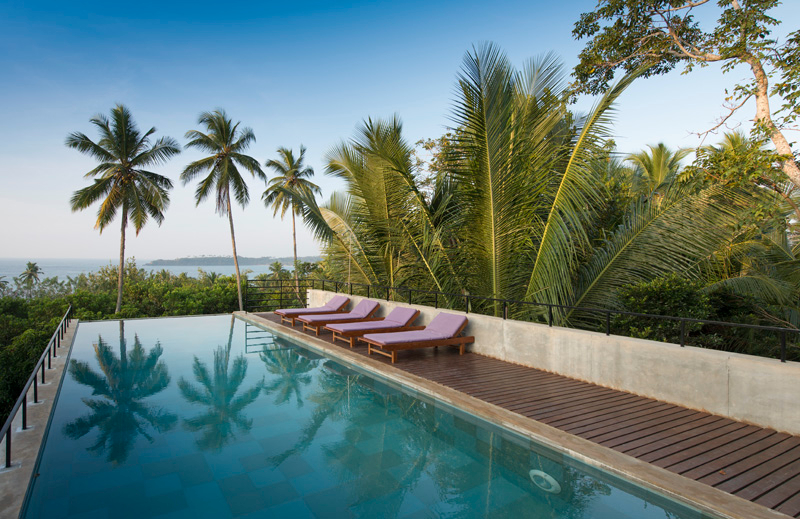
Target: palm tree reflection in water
120,415
218,392
291,370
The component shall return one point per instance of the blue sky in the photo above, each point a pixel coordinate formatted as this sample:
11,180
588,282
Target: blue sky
304,72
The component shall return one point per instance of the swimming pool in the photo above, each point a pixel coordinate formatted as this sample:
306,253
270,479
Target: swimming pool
211,417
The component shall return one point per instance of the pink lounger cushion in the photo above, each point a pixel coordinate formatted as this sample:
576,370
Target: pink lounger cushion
443,326
361,311
398,317
335,303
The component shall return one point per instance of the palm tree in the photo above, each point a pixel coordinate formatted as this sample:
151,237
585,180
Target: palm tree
120,180
119,414
30,276
3,286
226,142
284,190
516,201
655,169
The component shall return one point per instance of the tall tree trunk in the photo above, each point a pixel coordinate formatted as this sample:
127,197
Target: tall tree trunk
235,257
294,244
764,118
121,276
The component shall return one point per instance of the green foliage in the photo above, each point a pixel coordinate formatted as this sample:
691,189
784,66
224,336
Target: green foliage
655,36
668,295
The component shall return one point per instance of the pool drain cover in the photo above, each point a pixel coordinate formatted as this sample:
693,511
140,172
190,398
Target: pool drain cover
545,481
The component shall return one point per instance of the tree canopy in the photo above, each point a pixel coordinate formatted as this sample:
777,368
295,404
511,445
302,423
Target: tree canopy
656,36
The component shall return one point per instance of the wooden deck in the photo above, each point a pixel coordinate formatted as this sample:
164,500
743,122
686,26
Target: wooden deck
757,464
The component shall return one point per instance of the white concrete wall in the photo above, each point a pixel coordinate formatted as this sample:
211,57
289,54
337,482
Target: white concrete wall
757,390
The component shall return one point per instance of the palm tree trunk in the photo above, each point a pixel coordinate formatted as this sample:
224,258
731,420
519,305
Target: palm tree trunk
235,257
121,276
294,244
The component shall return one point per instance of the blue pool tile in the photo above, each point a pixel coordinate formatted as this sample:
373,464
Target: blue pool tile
95,482
266,476
162,485
206,500
168,502
294,466
296,509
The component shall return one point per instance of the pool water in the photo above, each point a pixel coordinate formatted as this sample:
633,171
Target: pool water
212,417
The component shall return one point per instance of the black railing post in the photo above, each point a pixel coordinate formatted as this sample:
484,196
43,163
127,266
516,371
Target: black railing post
505,309
387,294
24,412
466,303
8,448
323,285
783,346
608,323
549,315
409,296
351,287
683,333
50,357
368,286
43,382
436,299
36,390
280,293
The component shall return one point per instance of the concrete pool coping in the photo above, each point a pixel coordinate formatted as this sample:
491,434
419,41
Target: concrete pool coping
695,494
26,444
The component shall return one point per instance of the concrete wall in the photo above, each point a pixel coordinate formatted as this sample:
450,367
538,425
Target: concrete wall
757,390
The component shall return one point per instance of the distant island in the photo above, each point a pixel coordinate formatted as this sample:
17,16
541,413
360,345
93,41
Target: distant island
207,261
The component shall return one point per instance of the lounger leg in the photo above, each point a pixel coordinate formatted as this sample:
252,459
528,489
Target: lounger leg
352,342
369,349
394,356
318,331
461,350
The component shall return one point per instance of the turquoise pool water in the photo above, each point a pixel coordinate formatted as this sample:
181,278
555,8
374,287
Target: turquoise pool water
210,417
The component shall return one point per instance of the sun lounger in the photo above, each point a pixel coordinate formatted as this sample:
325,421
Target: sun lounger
443,330
363,311
335,305
398,320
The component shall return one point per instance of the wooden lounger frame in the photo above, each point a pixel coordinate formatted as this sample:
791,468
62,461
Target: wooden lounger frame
317,325
461,342
292,319
352,336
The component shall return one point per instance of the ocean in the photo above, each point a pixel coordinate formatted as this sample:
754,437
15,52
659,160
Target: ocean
63,267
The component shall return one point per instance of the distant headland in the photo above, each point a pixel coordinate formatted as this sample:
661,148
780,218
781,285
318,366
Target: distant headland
206,261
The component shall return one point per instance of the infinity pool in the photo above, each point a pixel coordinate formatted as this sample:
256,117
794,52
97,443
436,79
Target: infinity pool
211,417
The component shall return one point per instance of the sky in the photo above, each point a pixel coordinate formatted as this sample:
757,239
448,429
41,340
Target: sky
295,72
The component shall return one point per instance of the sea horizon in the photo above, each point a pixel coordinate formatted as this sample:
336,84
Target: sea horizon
72,267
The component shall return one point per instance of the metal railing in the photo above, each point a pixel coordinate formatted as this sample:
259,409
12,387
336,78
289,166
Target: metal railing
49,353
465,302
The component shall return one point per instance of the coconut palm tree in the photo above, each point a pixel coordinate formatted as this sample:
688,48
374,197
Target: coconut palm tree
30,276
516,201
3,285
655,169
120,181
226,142
283,190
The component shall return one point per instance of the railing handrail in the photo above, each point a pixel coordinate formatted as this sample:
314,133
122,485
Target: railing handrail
608,312
22,401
